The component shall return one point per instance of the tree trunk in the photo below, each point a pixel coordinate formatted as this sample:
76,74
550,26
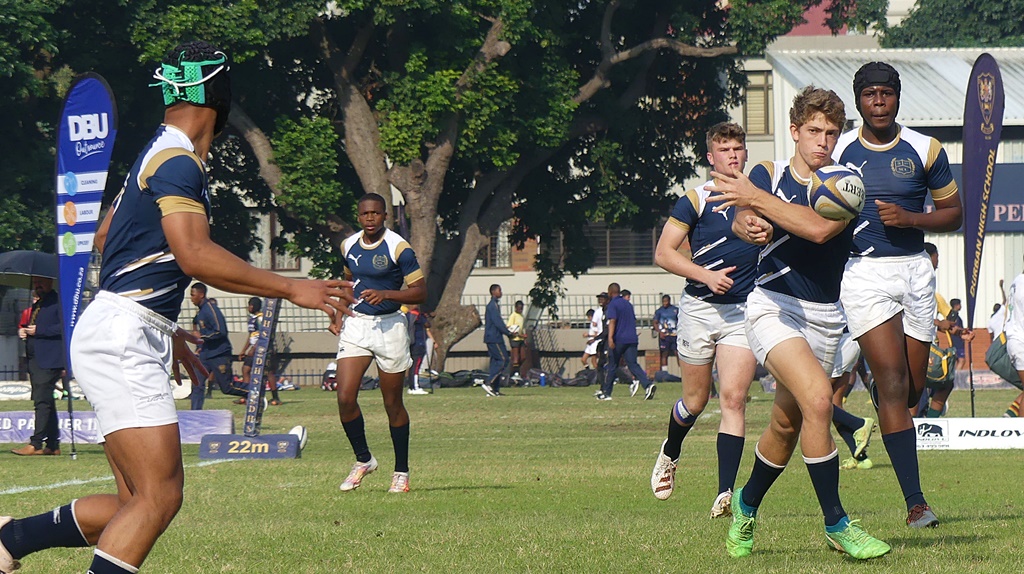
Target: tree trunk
453,320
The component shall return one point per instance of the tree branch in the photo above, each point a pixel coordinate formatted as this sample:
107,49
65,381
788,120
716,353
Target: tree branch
600,80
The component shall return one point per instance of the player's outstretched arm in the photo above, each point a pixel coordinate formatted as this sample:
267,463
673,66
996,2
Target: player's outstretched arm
188,235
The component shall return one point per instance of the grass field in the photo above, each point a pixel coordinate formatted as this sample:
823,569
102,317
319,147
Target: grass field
545,480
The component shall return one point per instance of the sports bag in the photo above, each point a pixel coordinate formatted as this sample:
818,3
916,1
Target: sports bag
941,366
999,362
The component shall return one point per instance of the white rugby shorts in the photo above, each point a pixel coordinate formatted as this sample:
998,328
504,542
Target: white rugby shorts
591,348
121,357
875,289
702,326
1015,348
383,337
846,356
774,317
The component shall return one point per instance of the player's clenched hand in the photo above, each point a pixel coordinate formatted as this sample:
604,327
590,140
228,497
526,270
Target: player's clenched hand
893,215
756,230
719,281
183,355
331,297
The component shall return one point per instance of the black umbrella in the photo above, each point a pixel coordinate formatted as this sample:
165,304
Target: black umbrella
18,267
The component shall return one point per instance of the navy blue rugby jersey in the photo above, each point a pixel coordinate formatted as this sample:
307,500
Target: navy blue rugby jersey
901,172
168,177
715,246
790,264
386,264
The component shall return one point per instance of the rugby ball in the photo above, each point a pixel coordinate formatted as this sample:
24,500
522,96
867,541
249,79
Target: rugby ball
300,432
836,192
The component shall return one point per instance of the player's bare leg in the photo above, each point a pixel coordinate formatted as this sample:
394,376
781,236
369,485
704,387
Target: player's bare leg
884,348
736,366
350,376
391,385
898,364
148,462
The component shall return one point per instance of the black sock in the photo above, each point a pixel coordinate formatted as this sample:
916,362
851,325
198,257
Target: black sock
679,423
902,449
844,418
400,438
355,430
761,479
824,473
730,451
103,563
847,435
676,434
54,529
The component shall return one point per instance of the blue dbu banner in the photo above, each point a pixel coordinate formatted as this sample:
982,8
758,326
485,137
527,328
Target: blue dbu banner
85,141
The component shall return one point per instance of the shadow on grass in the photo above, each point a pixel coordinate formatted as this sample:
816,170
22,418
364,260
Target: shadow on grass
910,540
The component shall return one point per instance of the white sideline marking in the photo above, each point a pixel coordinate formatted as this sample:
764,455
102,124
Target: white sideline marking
78,482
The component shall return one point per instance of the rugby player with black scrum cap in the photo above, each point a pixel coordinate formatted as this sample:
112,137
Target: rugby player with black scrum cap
888,288
126,344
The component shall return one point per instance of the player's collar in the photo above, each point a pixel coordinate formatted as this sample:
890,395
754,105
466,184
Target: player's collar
374,245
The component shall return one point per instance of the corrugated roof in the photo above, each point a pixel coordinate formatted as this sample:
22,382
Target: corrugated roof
934,80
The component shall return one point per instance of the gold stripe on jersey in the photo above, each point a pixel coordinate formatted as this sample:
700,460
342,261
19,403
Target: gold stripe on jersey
770,166
934,149
136,293
679,224
414,277
161,157
175,204
946,192
402,246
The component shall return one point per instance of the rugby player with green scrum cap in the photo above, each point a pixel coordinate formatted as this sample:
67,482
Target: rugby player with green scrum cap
154,239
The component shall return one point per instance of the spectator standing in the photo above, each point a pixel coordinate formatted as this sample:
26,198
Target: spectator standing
594,329
44,346
622,344
495,332
517,326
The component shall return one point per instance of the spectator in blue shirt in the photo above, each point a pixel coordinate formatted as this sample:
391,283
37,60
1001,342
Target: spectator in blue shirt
622,344
495,332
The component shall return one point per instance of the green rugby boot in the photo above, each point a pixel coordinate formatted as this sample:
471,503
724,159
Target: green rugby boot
862,436
856,542
740,540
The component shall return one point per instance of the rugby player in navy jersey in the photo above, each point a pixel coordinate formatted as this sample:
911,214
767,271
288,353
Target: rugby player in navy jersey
126,344
888,289
793,320
381,262
719,276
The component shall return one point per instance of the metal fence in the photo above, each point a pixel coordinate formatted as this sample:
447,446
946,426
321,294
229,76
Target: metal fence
572,309
572,312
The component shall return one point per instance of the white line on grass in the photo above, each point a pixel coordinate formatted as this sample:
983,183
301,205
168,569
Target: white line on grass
78,482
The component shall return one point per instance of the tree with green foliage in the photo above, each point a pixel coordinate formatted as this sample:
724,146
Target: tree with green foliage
546,114
959,24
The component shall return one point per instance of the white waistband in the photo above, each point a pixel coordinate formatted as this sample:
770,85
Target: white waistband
154,319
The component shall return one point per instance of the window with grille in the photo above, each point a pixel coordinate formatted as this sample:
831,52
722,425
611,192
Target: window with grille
757,104
614,246
497,252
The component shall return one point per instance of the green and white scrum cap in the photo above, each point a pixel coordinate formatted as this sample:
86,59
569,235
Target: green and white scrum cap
196,73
